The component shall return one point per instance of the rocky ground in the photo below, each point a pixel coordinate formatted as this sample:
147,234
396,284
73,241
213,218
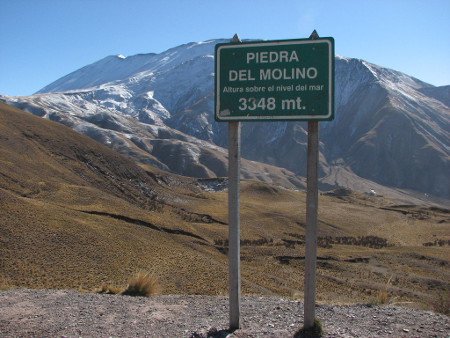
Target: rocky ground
63,313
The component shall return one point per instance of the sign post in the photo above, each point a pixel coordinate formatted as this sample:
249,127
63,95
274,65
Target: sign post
285,80
234,250
311,220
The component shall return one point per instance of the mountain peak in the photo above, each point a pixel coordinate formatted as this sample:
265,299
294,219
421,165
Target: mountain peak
159,108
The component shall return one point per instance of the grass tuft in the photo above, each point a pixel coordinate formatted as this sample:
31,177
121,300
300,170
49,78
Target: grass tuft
383,297
296,295
143,284
315,331
5,284
442,303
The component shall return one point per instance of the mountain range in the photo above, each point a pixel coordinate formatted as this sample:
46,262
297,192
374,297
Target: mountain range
390,129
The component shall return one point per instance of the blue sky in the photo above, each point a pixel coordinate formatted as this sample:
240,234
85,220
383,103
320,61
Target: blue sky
43,40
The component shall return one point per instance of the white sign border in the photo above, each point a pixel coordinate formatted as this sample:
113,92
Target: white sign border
276,117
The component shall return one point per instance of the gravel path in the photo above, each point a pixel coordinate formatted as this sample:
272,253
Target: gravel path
55,313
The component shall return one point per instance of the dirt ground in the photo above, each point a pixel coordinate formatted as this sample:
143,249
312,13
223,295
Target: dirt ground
52,313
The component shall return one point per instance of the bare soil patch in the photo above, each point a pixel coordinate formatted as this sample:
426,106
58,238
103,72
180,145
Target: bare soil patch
64,313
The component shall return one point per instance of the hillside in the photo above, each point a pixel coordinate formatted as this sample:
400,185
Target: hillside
75,214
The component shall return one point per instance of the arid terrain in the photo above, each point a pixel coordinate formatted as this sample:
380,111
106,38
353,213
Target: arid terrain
76,215
68,313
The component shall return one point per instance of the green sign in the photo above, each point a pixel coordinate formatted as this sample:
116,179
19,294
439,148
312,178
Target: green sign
275,80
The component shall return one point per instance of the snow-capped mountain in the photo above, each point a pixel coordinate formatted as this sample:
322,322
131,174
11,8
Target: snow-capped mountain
389,128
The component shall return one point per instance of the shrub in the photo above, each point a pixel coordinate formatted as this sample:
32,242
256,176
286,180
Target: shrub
143,284
438,242
245,242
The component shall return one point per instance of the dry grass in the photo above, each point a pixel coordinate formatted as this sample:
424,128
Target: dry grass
143,284
442,303
383,296
70,208
5,284
297,295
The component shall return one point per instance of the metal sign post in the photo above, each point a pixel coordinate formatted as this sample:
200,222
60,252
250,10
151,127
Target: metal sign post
311,219
234,251
311,224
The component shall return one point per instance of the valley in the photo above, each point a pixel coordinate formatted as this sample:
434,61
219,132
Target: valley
76,214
